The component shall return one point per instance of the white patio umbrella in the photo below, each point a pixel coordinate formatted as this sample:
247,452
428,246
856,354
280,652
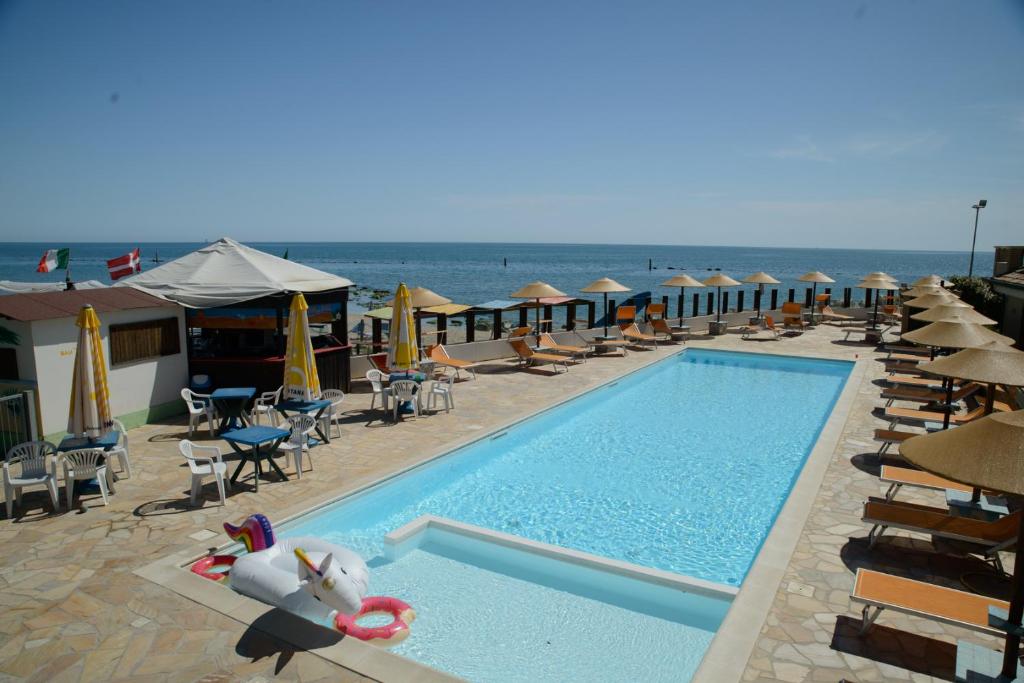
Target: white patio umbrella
89,412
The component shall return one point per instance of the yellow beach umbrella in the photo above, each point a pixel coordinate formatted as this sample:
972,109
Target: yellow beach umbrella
402,351
89,413
301,381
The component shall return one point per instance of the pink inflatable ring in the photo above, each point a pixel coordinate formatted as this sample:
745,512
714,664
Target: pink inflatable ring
203,566
391,634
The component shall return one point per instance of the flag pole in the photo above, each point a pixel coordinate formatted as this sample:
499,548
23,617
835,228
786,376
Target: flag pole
68,284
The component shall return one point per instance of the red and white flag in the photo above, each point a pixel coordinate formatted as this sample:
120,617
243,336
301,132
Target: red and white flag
126,265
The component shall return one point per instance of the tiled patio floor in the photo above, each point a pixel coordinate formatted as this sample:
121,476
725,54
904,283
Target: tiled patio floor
74,611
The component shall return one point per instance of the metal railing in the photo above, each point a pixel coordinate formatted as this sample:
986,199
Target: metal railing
17,418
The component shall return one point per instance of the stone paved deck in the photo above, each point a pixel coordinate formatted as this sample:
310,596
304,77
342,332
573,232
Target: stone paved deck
73,610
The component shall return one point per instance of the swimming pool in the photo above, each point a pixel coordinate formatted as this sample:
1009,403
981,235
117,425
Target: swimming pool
682,466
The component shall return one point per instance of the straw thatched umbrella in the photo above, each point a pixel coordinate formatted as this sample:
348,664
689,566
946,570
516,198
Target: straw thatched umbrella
927,280
921,290
760,278
537,290
420,298
682,281
986,454
604,286
955,334
931,300
990,363
301,380
814,277
720,280
89,413
876,284
402,352
952,312
879,275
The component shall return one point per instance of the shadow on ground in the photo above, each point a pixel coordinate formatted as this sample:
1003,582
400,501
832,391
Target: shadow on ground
258,642
900,649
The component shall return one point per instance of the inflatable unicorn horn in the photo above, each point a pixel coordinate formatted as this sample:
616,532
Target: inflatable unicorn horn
330,583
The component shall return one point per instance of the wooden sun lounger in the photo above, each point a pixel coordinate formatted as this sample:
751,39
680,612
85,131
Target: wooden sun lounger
928,396
903,348
829,315
898,477
633,334
902,368
439,355
879,591
661,327
992,537
911,358
548,342
897,414
911,381
530,357
888,437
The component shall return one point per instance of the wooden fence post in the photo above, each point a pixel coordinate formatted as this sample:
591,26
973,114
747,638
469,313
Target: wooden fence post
496,325
470,326
775,299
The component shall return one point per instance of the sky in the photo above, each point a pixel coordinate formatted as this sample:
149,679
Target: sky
785,123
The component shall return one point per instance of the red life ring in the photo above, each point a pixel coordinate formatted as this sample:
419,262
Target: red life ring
390,634
203,566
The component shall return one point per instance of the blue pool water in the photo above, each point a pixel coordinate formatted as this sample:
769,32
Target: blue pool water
682,466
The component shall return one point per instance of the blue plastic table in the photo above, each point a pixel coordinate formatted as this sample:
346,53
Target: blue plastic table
230,403
255,438
306,407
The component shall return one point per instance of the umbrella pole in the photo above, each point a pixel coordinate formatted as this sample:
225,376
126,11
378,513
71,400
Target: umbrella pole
718,317
1011,653
814,299
682,303
990,399
949,403
874,316
606,314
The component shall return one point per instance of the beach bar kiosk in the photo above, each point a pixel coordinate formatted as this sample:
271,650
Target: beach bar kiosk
236,302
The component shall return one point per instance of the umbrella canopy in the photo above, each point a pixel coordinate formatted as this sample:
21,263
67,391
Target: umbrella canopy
720,280
987,454
955,335
604,286
922,290
301,381
879,275
930,300
536,290
682,280
990,363
421,297
402,351
875,283
815,276
89,412
761,278
927,280
952,312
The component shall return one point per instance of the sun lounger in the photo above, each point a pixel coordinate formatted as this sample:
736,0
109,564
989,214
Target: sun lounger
912,381
829,315
793,316
528,357
439,355
990,537
898,477
548,343
769,326
897,414
905,348
520,332
888,437
911,358
878,591
660,326
633,334
923,395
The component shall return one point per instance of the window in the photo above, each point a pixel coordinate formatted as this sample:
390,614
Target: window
132,342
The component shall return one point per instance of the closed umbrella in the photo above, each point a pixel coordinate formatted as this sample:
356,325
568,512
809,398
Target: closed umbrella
89,412
875,284
537,290
603,286
301,381
720,280
760,278
402,351
682,282
951,312
814,277
987,454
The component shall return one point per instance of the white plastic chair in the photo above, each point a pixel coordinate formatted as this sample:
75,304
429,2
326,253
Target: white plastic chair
120,451
264,405
298,443
333,414
376,379
199,406
32,463
401,391
441,389
82,465
205,461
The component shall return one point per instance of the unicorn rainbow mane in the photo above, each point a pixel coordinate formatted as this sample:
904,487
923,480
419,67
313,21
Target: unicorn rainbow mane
255,532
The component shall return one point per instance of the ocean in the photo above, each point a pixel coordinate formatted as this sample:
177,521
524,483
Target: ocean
472,273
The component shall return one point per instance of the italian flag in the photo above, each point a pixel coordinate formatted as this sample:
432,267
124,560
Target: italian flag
54,259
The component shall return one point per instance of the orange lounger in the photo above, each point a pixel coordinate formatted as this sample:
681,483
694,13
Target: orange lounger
439,355
888,437
928,395
633,334
530,357
912,381
660,326
548,342
898,477
878,591
915,415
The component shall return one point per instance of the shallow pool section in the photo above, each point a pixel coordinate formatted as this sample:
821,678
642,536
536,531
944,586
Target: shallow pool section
491,607
680,467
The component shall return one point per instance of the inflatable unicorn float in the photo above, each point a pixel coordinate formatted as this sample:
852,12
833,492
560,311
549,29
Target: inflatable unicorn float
320,581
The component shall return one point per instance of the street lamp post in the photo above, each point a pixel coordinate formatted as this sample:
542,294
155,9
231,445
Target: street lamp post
982,203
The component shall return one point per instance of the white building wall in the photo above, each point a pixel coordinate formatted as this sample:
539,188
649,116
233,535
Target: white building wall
133,387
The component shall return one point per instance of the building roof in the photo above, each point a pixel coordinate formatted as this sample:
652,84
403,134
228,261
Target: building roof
33,306
1014,278
226,272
